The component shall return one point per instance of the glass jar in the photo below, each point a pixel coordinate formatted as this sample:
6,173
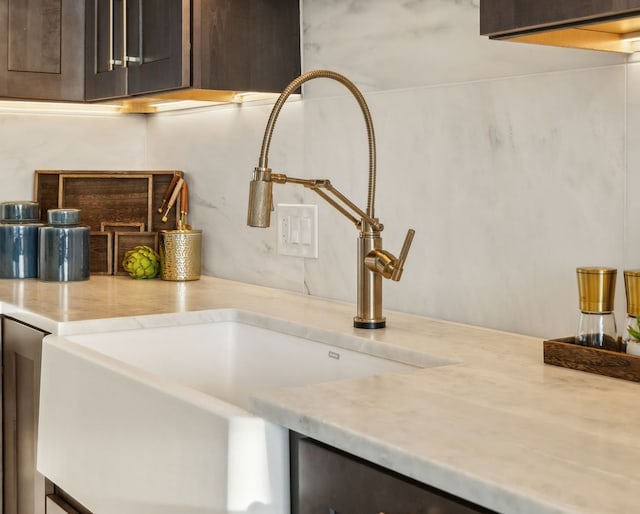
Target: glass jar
631,334
598,329
597,323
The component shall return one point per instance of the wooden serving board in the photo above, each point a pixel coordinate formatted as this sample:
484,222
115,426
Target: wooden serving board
565,353
100,198
118,194
101,253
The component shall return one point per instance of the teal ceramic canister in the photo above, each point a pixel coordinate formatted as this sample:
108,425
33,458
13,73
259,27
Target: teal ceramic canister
19,225
63,247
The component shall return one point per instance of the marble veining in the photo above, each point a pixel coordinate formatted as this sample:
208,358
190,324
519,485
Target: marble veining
444,156
396,45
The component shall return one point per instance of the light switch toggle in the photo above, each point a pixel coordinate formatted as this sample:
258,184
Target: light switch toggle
297,230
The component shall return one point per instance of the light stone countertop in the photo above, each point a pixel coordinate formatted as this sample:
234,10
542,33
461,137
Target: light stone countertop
496,426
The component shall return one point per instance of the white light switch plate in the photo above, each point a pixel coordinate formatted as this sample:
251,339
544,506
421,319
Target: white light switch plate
297,230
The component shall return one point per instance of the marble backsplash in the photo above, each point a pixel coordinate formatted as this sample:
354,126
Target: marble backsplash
384,45
513,162
508,159
30,141
510,184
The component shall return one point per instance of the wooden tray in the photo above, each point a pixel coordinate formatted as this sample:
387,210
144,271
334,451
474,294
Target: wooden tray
99,197
50,195
567,354
118,226
124,241
101,253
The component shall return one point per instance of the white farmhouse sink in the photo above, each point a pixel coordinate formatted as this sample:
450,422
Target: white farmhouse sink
155,420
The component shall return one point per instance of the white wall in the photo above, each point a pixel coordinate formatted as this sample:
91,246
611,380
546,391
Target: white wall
31,142
514,163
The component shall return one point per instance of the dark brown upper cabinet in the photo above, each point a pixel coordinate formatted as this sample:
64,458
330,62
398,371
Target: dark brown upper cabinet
245,45
193,48
609,25
76,50
42,49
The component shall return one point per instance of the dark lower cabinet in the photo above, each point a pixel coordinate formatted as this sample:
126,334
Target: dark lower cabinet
328,481
24,489
59,502
56,505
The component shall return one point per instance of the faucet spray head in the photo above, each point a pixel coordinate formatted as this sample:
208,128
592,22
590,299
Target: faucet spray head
260,198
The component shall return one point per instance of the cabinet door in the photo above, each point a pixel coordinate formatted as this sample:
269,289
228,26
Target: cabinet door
326,481
136,47
106,76
42,49
245,45
158,36
24,487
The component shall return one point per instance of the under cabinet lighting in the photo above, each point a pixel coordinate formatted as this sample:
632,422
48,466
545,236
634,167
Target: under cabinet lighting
252,96
620,35
57,107
178,105
632,39
630,36
166,102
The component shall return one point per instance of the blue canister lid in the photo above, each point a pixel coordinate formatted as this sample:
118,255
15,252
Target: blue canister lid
63,216
20,211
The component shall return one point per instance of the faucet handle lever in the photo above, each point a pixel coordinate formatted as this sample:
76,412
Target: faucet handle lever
406,245
399,265
385,263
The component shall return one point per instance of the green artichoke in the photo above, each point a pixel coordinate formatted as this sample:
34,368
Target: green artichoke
142,262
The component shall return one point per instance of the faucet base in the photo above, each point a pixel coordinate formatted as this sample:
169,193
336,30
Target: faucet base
358,323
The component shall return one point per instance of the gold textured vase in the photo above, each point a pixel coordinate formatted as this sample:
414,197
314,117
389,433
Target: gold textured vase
180,254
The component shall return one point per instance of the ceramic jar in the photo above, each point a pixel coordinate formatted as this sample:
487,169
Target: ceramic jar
64,247
19,224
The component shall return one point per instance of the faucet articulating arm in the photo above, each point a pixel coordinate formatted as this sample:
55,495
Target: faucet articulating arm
383,262
324,188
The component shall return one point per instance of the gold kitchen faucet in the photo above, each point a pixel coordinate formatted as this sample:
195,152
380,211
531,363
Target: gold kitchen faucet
374,263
